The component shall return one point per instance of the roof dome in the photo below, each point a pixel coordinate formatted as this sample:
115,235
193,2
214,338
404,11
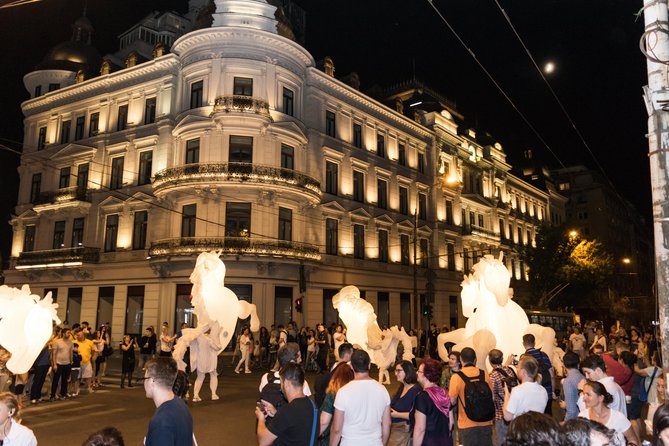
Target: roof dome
75,54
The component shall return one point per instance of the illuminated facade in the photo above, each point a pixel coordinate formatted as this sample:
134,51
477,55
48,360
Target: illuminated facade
235,141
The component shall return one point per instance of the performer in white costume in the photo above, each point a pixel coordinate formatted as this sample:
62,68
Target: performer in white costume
203,358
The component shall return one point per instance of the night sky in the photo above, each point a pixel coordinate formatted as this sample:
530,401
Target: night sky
594,43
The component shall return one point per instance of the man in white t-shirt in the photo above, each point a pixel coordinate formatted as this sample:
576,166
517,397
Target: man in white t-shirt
362,408
594,369
577,341
529,395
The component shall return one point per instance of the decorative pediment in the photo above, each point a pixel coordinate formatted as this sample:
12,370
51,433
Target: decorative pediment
384,219
289,129
111,203
74,151
405,224
140,200
425,229
361,213
332,207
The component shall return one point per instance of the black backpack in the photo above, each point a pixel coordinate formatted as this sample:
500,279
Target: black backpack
272,391
477,402
546,380
511,380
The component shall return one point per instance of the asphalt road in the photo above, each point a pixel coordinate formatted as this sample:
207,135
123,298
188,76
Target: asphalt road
228,421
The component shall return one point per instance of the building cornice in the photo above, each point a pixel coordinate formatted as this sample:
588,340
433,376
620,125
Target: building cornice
321,79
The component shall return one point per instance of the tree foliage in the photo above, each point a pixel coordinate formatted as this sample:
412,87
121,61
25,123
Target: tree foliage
560,260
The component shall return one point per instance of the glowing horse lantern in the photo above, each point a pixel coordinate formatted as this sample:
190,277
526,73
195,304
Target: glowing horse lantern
26,325
215,306
494,319
363,330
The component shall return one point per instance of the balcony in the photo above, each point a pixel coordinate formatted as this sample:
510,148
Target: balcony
241,104
208,174
65,197
251,246
57,258
480,232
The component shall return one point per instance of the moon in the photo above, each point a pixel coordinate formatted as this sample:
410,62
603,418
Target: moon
549,67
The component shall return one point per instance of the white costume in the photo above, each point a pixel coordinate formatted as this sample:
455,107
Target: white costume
204,358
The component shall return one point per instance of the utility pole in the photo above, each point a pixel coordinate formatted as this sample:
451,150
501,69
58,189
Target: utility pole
655,46
416,303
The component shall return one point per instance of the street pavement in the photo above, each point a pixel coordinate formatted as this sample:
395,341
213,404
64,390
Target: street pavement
228,421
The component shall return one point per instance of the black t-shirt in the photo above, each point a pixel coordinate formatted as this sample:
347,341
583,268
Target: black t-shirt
293,423
436,424
171,425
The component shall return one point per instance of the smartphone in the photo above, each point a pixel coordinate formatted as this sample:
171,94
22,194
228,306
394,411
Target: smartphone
261,406
515,359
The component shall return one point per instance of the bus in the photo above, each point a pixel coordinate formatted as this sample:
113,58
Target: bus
557,320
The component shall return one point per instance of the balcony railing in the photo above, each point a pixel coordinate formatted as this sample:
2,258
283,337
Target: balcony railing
235,172
62,257
256,246
481,232
63,195
241,104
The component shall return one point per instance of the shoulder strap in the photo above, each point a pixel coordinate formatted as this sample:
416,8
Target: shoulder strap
462,376
652,378
313,426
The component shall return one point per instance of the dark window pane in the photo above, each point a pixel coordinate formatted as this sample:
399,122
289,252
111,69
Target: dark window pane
196,94
64,179
111,233
93,127
59,235
404,200
359,241
288,101
41,138
116,178
331,236
35,187
381,145
150,111
134,311
79,128
139,230
383,246
357,135
78,232
330,125
145,166
238,219
65,132
358,186
382,194
285,224
404,249
287,157
122,122
241,149
29,238
193,151
82,177
188,220
243,86
331,177
402,156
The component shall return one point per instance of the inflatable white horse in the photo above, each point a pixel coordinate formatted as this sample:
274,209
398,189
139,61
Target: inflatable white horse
362,330
495,320
216,307
26,325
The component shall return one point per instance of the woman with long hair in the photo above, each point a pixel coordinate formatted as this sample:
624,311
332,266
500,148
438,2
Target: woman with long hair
596,400
661,426
342,375
10,426
401,404
128,347
245,341
431,416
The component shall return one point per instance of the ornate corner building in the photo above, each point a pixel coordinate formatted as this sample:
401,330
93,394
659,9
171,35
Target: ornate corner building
216,130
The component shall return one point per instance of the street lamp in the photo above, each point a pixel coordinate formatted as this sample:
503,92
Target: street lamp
573,233
627,261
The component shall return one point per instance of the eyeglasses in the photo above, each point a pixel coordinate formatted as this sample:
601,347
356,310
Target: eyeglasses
399,370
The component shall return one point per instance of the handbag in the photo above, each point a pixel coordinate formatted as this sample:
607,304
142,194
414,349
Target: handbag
107,350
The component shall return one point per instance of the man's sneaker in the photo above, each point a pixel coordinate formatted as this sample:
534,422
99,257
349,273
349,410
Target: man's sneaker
62,398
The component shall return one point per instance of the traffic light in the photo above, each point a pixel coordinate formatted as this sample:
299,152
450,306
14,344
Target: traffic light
298,304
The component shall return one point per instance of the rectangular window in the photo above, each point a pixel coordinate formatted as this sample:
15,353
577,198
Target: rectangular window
463,218
404,200
520,236
74,304
330,124
288,101
29,238
421,162
330,314
423,252
196,89
139,229
453,310
359,241
193,151
449,212
422,206
59,235
64,178
331,236
94,124
358,186
404,249
35,187
184,309
105,305
53,87
134,311
116,177
331,177
243,86
285,224
383,308
405,310
481,225
188,220
283,305
472,218
357,135
450,256
38,91
402,155
238,219
79,128
287,157
465,257
241,149
111,233
382,194
65,128
502,234
381,146
383,246
82,177
78,232
145,166
122,122
150,111
41,138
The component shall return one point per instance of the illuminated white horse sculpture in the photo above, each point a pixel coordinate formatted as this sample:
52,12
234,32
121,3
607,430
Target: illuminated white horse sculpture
26,325
495,320
216,307
363,330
